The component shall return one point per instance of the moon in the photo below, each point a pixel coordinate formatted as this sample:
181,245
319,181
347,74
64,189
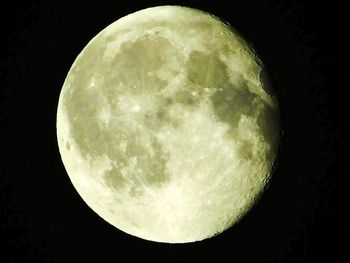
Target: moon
166,126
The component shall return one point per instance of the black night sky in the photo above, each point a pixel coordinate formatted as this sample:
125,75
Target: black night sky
42,217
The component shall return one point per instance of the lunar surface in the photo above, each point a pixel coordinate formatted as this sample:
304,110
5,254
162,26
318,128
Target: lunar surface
166,126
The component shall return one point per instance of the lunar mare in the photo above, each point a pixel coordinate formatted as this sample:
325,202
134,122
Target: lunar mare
165,126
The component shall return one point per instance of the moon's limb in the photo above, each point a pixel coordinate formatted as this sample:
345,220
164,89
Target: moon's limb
165,127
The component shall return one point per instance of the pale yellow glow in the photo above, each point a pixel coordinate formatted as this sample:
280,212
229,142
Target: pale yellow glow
164,125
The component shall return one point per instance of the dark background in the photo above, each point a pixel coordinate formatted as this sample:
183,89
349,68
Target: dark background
42,217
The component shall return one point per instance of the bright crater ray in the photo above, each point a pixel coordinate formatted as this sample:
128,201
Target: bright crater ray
165,126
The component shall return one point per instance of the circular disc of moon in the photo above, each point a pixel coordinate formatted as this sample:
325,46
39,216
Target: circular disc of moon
166,127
